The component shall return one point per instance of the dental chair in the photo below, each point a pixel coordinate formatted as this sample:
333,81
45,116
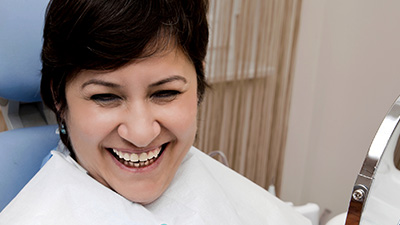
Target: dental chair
375,199
30,137
21,28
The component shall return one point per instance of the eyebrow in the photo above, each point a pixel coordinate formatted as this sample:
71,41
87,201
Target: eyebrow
114,85
169,79
100,82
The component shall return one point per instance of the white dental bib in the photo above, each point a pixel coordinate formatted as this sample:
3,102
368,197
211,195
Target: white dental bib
203,192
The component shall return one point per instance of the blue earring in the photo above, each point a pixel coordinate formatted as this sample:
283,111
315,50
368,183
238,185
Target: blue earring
63,130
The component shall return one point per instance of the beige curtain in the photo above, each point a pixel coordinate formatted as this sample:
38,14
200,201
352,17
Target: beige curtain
249,66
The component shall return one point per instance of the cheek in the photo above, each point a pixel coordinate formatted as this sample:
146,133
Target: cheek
182,117
87,125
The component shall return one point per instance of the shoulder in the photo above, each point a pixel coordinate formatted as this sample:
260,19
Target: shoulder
249,200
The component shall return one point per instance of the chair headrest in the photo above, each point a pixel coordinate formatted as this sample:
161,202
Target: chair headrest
21,28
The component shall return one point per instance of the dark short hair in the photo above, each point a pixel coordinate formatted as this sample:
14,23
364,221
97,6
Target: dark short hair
108,34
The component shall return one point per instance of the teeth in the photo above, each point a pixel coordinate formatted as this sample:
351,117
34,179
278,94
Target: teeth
143,157
151,155
127,157
134,157
137,160
157,151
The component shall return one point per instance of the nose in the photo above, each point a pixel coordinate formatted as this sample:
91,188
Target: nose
139,126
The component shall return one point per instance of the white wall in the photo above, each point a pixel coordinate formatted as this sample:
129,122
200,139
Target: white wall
347,75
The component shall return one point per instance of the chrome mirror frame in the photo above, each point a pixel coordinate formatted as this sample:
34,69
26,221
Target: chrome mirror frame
362,187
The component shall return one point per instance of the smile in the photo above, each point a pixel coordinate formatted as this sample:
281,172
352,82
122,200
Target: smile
138,160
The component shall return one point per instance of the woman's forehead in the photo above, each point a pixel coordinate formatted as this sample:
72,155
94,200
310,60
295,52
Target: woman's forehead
157,67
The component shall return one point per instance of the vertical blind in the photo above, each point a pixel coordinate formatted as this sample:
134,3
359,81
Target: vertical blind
249,68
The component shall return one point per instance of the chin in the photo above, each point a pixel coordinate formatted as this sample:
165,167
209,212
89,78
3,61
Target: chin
145,198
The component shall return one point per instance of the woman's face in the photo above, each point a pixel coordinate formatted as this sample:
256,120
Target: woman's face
131,128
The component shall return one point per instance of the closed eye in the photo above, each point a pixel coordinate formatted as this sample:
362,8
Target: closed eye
165,95
106,98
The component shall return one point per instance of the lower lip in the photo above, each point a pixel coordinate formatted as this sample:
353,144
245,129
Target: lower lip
145,169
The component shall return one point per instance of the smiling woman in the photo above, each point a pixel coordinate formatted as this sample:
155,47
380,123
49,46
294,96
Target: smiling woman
124,79
131,128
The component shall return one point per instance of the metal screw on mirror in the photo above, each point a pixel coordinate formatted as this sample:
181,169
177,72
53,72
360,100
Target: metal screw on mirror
359,195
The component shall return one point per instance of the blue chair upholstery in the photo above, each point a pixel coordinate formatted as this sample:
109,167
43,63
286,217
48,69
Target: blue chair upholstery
21,28
22,152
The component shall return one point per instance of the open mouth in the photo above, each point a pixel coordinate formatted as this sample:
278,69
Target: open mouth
138,160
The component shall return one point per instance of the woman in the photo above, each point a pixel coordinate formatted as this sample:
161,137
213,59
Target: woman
124,79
